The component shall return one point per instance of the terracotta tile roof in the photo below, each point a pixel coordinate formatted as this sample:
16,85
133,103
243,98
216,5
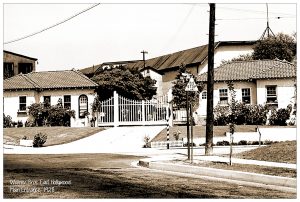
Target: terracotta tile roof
189,56
254,69
49,80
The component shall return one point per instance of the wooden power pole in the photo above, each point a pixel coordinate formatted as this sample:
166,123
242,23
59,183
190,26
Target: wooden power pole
210,82
144,59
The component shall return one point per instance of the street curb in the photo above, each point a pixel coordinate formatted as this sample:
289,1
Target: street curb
220,173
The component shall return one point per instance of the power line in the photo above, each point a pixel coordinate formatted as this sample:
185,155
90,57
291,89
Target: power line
180,26
59,23
279,17
255,11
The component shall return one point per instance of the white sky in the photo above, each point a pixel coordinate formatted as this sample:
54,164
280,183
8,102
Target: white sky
116,32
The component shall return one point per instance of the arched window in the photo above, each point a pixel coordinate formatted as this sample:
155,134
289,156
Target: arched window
83,105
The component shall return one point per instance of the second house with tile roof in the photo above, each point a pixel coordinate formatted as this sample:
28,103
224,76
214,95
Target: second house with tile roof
76,91
265,82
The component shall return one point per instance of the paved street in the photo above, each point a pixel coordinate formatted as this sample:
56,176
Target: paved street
113,176
98,168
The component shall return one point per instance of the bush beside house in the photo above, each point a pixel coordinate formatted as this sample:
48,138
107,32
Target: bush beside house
251,115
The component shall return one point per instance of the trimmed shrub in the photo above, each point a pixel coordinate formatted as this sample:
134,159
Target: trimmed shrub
146,141
30,123
39,140
244,114
221,115
20,124
267,142
280,116
223,143
7,122
242,142
254,143
186,144
176,135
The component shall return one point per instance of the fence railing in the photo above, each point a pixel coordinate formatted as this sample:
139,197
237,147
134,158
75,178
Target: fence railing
163,144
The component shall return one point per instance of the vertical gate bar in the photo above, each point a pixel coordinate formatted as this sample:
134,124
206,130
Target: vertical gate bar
116,109
143,112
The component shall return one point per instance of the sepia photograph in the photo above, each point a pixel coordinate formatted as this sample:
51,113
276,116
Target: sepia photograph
149,100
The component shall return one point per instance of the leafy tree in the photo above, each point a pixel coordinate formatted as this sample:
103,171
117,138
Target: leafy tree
127,82
245,57
281,46
178,90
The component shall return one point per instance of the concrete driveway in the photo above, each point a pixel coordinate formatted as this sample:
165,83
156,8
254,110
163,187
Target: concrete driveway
120,140
112,140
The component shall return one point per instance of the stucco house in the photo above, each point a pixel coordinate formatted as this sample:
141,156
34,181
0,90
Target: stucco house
14,63
265,82
76,91
165,68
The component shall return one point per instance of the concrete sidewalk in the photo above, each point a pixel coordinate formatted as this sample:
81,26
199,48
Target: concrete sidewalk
165,163
246,161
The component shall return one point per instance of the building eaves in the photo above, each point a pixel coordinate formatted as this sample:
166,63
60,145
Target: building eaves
24,56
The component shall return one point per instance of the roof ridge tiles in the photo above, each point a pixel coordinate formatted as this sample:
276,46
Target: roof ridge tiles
83,76
30,80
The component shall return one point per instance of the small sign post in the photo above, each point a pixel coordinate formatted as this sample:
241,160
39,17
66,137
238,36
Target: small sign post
190,87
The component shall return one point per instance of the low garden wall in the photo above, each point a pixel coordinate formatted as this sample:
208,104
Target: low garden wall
267,134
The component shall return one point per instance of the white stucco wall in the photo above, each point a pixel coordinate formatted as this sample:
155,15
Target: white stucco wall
158,78
226,53
11,102
285,91
222,85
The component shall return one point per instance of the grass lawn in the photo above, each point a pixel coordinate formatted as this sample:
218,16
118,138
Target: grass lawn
283,172
199,131
55,135
283,152
111,176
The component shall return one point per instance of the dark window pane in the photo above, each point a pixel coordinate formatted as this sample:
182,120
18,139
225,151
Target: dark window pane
22,103
67,101
25,68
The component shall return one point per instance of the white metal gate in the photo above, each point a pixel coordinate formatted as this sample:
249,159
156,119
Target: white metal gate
119,110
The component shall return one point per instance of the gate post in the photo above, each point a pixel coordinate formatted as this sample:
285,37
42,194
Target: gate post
116,109
143,112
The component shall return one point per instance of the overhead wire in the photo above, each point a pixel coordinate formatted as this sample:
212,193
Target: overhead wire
279,17
52,26
180,26
255,11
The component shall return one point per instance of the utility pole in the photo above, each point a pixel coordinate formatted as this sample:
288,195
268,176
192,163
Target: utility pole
210,82
144,52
